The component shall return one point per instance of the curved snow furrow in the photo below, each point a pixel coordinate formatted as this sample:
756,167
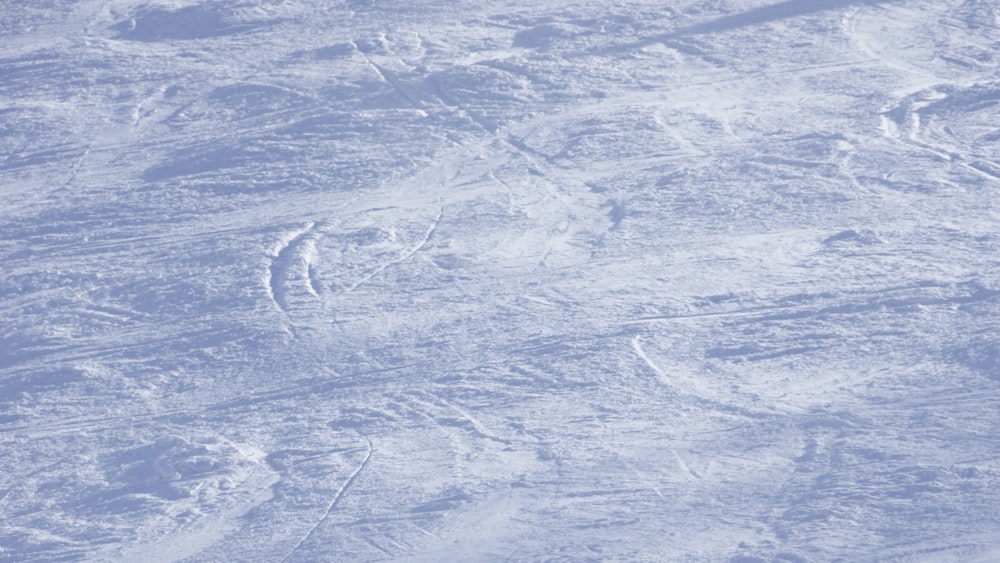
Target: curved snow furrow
947,121
336,499
926,111
312,282
865,42
315,283
283,254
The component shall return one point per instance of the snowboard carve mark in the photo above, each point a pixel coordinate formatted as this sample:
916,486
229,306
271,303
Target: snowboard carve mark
294,249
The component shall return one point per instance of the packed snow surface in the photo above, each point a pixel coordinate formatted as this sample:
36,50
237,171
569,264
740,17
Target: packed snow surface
695,280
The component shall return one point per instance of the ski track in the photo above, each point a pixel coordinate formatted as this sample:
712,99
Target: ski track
464,414
457,439
637,347
989,170
691,474
386,76
333,503
423,243
847,304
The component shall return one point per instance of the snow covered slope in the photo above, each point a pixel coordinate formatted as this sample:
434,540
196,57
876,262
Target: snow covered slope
287,280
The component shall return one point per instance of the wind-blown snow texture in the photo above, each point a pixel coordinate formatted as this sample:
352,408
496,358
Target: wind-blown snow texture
694,280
